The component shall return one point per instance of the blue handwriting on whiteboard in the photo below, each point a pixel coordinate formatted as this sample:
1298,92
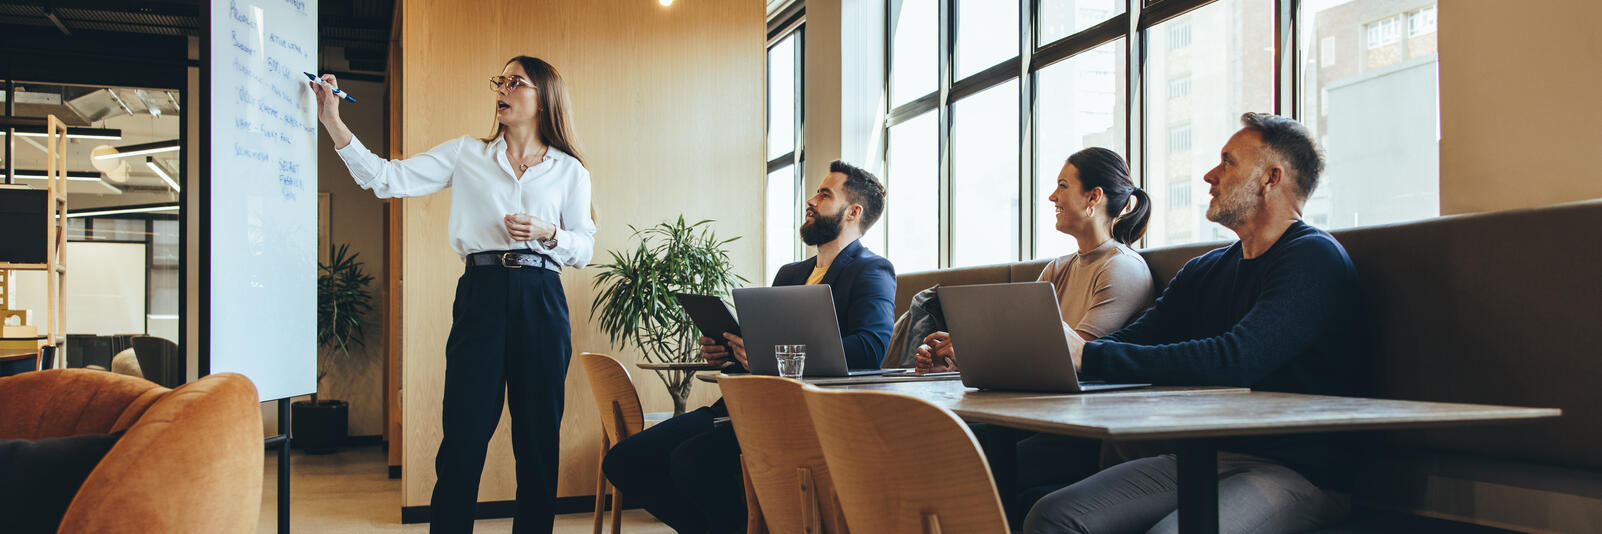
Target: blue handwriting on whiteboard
241,44
239,16
241,151
286,44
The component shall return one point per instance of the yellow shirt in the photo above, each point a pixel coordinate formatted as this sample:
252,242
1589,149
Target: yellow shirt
817,275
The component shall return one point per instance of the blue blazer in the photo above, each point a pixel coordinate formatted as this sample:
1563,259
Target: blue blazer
864,288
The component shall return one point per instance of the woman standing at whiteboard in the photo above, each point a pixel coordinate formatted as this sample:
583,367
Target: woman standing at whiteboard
520,210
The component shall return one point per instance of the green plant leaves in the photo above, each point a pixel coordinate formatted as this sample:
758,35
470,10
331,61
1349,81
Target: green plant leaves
634,303
343,301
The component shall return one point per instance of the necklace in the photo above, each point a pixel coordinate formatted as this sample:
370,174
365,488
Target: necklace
523,167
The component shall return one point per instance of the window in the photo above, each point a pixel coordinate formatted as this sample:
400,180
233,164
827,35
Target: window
987,34
1384,32
985,177
1078,107
1372,175
782,96
914,49
1179,138
1421,22
1179,35
1179,195
1179,87
782,242
1061,18
912,178
969,185
1230,69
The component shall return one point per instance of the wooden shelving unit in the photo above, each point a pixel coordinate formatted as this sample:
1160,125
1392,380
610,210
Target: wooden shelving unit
55,266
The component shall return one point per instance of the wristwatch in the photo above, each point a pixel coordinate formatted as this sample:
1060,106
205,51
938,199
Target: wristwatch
548,243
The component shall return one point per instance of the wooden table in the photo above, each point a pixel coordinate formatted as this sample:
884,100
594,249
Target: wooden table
13,355
679,366
1195,417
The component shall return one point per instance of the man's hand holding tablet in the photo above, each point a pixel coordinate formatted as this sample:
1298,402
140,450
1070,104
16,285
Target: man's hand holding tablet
721,354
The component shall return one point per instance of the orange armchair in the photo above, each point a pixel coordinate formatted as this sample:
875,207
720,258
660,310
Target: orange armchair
190,461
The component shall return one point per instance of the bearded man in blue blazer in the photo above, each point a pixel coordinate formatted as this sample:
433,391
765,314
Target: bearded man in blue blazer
686,470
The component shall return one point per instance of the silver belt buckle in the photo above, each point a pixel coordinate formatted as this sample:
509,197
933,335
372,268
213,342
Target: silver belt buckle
505,261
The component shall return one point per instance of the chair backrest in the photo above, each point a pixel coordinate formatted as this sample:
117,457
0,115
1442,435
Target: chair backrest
943,486
191,463
782,455
67,402
615,396
159,360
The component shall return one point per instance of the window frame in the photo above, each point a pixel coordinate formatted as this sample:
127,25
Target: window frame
791,23
1132,25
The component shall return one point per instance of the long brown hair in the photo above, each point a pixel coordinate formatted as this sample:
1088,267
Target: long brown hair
554,122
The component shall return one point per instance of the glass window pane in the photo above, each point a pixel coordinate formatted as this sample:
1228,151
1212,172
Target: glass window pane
987,33
782,97
984,198
1061,18
781,216
1361,71
1207,67
913,183
914,49
1080,105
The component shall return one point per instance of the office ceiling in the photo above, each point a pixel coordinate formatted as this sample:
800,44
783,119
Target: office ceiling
360,27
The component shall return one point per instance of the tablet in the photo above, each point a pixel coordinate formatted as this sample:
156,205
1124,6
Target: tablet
711,315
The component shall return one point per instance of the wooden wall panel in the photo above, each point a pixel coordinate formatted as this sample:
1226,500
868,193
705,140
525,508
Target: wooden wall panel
1518,120
668,103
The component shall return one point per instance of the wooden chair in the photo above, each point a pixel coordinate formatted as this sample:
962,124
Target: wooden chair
904,466
783,462
621,417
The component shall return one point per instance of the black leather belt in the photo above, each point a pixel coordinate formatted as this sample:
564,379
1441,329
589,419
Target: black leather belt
509,260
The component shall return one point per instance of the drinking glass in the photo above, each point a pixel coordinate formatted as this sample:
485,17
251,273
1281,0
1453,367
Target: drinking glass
792,358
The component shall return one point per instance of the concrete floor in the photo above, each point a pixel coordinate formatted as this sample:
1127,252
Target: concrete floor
350,492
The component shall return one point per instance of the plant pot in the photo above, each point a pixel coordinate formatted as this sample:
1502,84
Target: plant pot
319,428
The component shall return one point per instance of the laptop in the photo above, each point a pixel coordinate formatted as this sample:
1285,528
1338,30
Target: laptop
793,314
1009,337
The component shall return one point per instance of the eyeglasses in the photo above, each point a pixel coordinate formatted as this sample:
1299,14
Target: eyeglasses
510,84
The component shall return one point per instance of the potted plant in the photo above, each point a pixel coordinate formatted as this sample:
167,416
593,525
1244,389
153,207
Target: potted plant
634,295
343,305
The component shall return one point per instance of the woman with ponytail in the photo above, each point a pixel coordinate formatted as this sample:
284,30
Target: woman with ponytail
1104,284
1100,288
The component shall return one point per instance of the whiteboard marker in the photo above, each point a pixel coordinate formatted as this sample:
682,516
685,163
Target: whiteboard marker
337,92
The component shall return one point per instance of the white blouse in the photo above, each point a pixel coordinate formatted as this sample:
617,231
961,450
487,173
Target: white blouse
485,190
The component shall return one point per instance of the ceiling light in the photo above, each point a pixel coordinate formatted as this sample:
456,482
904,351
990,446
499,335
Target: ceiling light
72,133
665,2
72,176
154,166
146,209
141,149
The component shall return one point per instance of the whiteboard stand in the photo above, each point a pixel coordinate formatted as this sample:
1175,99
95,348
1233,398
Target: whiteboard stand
281,442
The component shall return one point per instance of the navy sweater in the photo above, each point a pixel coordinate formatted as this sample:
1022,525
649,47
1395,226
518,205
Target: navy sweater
1289,320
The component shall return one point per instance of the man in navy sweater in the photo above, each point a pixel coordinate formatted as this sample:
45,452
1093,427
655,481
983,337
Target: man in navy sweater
686,470
1278,310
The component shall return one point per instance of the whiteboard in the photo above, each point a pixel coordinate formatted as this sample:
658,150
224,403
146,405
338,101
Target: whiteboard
262,195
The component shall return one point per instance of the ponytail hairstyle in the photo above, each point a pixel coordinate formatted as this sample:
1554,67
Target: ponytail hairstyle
1100,167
